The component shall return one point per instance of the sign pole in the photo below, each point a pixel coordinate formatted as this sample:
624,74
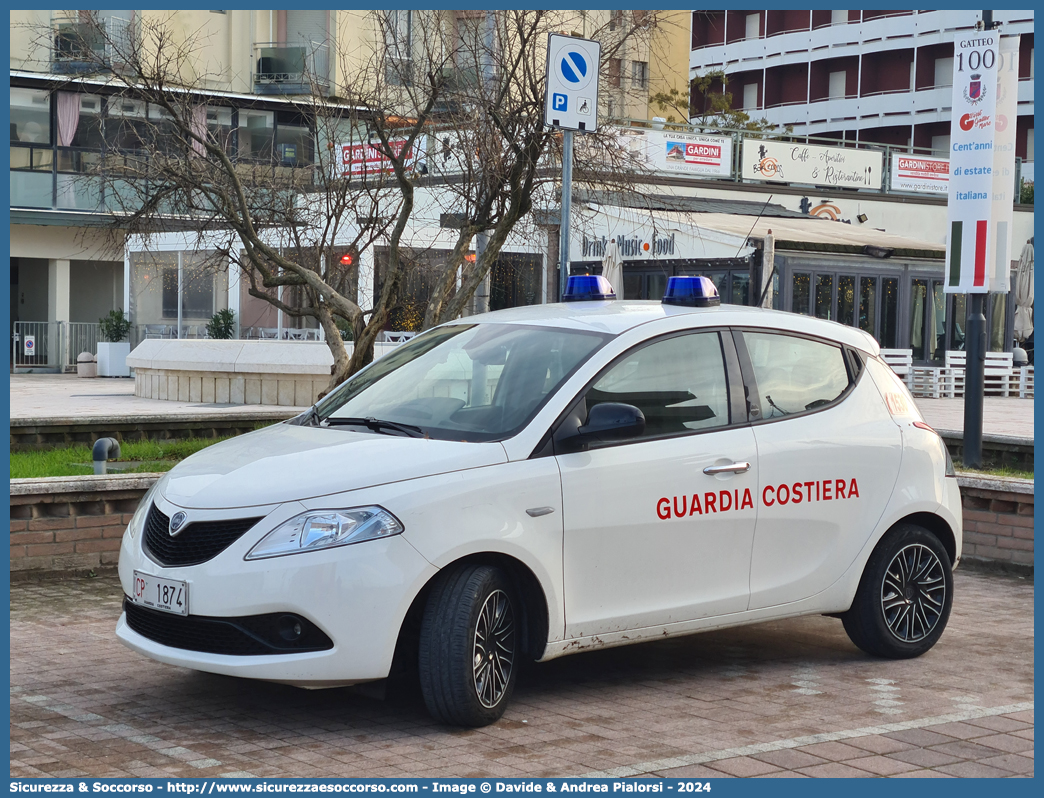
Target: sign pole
570,104
975,375
567,202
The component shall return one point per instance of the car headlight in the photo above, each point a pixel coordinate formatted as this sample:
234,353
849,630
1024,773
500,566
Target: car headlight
325,529
138,519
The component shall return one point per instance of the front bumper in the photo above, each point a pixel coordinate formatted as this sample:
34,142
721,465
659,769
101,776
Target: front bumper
358,595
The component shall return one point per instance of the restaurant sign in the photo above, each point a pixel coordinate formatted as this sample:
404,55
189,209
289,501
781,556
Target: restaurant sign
790,162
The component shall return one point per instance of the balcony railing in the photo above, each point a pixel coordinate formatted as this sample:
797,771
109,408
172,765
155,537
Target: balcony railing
291,69
89,45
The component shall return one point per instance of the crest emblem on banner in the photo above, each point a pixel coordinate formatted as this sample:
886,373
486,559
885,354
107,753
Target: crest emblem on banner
975,91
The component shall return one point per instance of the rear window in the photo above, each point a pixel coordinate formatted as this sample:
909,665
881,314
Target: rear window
794,374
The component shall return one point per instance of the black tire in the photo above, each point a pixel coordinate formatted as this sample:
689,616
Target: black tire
470,645
904,596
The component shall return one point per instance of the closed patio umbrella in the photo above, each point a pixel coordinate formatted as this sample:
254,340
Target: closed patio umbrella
1024,294
612,267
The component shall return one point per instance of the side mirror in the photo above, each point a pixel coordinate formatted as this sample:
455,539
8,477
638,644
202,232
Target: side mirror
612,421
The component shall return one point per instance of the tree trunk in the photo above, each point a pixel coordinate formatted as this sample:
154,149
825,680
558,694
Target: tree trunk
340,370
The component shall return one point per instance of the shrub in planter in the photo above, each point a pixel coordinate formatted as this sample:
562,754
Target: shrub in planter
113,351
115,326
222,325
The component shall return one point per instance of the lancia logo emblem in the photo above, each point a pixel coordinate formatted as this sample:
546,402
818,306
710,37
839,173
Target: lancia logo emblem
177,521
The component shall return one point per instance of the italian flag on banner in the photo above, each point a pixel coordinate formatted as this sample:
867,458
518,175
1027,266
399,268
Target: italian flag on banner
972,130
969,258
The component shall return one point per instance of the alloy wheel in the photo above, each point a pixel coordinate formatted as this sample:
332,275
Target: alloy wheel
494,649
913,593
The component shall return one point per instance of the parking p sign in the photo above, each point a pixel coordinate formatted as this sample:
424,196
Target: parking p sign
572,83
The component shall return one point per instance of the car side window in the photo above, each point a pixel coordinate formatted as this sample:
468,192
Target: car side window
795,375
678,383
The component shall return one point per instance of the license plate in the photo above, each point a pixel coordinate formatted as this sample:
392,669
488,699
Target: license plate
158,593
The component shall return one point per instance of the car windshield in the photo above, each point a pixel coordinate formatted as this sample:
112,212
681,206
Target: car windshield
471,382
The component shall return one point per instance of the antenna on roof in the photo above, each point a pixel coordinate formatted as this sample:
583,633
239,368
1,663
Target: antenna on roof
744,241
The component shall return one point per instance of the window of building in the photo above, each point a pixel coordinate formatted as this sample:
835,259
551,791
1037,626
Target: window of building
943,72
30,116
615,19
678,383
614,70
639,74
838,87
824,296
941,145
795,374
750,96
82,129
126,125
256,134
753,22
838,17
801,292
293,140
889,336
219,126
399,32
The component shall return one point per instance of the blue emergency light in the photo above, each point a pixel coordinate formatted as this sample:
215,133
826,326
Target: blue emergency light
587,288
693,292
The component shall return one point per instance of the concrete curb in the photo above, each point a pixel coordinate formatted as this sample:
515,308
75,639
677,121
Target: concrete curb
37,486
985,482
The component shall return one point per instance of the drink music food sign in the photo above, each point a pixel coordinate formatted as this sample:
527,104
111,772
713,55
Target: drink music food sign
977,245
789,162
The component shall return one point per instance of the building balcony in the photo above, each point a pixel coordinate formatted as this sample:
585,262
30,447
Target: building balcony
291,69
89,45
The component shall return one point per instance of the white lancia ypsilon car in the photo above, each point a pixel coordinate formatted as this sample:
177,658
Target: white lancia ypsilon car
552,479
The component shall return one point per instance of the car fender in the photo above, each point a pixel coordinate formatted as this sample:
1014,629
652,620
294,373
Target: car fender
448,517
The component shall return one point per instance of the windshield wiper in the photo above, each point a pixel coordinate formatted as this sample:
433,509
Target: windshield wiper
309,418
376,425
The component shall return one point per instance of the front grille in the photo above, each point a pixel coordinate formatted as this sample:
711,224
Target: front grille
196,543
251,635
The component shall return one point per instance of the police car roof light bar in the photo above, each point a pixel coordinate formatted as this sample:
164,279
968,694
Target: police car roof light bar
587,288
693,292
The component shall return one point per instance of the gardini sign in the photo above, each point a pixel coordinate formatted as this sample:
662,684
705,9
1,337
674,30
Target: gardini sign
684,153
629,247
920,173
367,159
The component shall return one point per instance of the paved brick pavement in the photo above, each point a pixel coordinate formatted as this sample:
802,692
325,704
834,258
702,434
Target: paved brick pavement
791,698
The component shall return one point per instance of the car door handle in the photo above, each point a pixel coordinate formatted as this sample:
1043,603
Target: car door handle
733,468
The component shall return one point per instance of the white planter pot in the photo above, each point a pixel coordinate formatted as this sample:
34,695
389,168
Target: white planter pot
112,359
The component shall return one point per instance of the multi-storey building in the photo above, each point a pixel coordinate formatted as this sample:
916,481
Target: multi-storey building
856,76
251,69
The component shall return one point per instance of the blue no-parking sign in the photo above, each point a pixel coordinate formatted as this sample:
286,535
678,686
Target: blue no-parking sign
572,83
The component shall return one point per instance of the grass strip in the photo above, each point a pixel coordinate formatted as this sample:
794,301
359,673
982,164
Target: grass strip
73,461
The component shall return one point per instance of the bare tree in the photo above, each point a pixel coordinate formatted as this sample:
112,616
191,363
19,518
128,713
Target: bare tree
286,218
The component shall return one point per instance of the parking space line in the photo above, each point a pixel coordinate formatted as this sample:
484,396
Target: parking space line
643,768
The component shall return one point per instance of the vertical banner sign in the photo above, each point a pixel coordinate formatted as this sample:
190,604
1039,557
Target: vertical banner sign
972,130
1004,163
